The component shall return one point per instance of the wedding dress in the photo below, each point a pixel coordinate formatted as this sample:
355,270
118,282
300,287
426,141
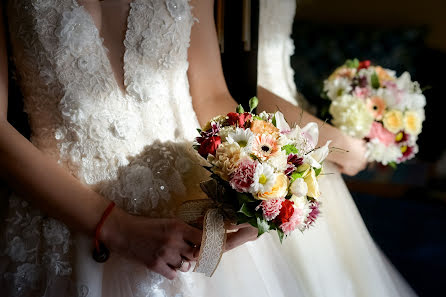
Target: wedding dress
338,256
133,146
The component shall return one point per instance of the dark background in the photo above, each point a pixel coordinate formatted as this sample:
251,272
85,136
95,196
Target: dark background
404,209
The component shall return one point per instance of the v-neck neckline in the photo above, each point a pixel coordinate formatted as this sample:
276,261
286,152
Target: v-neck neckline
104,49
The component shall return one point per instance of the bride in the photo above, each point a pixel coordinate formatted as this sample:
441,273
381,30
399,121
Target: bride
337,257
114,90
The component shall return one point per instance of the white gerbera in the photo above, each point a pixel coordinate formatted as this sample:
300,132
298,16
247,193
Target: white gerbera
264,179
351,115
379,152
337,87
243,137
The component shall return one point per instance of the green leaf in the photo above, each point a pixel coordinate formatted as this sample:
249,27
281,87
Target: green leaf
318,171
199,130
253,102
295,176
280,234
257,118
352,63
274,121
375,81
290,149
240,109
246,211
393,165
243,197
262,226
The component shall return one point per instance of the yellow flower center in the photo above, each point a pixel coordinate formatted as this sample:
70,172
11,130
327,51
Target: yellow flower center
404,149
262,179
242,143
399,136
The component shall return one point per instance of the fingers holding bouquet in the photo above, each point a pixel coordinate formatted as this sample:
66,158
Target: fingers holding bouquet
165,246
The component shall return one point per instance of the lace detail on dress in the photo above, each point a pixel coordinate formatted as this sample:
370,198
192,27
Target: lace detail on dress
133,147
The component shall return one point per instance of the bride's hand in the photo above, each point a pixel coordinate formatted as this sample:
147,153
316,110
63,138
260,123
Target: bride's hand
240,234
160,244
353,160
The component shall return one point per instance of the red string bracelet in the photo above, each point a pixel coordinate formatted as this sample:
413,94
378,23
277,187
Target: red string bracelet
100,252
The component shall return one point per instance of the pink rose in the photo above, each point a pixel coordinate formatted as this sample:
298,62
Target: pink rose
382,134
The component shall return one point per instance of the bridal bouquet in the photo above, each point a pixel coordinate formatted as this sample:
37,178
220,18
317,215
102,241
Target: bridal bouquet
371,102
267,170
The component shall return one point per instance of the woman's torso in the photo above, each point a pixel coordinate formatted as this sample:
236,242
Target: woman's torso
72,88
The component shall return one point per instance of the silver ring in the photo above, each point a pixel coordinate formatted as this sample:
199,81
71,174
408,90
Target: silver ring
181,264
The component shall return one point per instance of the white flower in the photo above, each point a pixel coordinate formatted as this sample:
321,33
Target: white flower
351,115
299,188
224,132
243,137
278,161
321,153
281,123
298,138
414,101
405,83
379,152
265,116
264,179
337,87
311,132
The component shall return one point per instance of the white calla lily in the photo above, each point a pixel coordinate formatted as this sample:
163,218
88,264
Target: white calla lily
311,132
313,185
321,153
281,123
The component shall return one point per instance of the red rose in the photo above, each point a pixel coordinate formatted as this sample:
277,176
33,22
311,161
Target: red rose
238,119
286,212
364,64
209,146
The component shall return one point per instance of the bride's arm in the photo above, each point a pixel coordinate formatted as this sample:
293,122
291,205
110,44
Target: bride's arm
210,95
350,162
54,190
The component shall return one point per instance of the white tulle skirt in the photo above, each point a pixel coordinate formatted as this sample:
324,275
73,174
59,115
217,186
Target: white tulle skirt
337,257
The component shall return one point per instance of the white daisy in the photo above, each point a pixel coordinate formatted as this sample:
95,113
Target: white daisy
264,179
337,87
243,137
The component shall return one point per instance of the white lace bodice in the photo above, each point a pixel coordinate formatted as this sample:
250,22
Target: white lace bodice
134,146
276,48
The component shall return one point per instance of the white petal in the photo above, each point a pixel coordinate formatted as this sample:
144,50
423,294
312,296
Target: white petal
281,123
321,153
312,162
311,132
299,187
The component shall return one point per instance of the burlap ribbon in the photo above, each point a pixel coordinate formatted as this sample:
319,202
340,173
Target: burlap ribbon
208,215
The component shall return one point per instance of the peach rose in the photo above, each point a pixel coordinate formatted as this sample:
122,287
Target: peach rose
393,121
412,123
280,189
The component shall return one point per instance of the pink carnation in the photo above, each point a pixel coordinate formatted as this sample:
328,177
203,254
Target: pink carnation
243,176
271,208
382,134
362,93
313,215
294,221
